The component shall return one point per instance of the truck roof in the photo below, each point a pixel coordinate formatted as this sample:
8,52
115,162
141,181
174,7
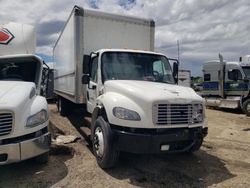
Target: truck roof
217,62
128,50
116,16
21,56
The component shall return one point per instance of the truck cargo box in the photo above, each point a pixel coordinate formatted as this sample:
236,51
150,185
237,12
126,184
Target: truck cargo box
88,31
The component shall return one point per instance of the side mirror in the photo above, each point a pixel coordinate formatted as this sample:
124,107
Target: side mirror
175,71
85,67
85,79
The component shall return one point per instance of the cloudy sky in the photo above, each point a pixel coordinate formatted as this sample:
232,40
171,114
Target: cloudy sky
204,28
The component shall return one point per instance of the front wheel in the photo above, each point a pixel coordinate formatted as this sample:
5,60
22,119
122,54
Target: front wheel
246,107
103,146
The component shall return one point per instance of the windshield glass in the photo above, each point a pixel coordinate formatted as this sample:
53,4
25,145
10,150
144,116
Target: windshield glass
246,71
136,66
16,70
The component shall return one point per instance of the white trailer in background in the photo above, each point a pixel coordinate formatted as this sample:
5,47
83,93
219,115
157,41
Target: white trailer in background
106,63
23,112
184,78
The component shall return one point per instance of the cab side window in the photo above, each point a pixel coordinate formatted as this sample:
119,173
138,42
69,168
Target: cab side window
234,74
93,69
207,77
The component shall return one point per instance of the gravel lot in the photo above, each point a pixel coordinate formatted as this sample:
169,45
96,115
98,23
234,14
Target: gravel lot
223,161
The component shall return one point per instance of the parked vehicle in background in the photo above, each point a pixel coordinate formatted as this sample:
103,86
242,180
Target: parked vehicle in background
184,78
245,64
23,112
47,85
226,84
132,96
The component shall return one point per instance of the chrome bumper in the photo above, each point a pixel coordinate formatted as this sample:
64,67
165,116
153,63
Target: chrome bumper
11,153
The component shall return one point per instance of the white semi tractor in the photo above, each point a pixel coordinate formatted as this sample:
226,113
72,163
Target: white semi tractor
106,63
23,112
226,84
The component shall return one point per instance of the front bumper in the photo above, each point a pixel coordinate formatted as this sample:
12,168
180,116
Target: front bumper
178,140
25,149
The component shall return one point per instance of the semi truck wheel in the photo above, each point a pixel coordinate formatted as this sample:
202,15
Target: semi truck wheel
246,107
103,149
62,106
196,145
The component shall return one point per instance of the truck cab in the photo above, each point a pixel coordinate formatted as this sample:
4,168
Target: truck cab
24,113
137,107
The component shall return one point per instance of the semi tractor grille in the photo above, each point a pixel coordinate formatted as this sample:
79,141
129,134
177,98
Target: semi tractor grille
6,122
173,114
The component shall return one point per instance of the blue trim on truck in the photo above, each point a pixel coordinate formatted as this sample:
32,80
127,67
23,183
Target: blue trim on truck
228,86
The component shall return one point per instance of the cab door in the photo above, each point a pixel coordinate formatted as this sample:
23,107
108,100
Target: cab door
234,83
92,85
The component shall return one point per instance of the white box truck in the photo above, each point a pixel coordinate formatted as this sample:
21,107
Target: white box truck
106,62
23,112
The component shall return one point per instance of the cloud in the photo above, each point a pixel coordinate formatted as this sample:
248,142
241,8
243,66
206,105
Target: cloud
204,28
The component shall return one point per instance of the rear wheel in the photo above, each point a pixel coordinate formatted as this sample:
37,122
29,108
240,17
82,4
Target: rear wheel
103,147
246,107
62,106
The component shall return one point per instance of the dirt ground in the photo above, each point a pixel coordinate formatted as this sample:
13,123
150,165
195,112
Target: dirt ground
223,161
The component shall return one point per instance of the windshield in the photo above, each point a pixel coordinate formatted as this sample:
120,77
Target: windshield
136,66
16,70
246,71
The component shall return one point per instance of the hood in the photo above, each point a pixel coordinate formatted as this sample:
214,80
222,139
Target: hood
152,91
14,94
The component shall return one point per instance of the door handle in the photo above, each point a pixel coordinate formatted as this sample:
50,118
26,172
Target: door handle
92,87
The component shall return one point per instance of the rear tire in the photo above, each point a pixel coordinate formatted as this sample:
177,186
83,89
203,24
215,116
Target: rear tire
103,147
246,107
62,106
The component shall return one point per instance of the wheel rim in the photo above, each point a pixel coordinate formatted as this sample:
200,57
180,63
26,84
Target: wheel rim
98,142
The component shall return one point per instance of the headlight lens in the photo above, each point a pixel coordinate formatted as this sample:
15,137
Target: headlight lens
37,119
197,116
123,113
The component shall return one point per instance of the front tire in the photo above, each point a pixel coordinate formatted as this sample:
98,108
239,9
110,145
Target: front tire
246,107
103,147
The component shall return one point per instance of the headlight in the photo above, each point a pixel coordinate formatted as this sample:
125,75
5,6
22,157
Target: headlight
123,113
197,115
37,119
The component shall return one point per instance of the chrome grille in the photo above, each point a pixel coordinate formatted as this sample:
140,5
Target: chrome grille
172,114
6,122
